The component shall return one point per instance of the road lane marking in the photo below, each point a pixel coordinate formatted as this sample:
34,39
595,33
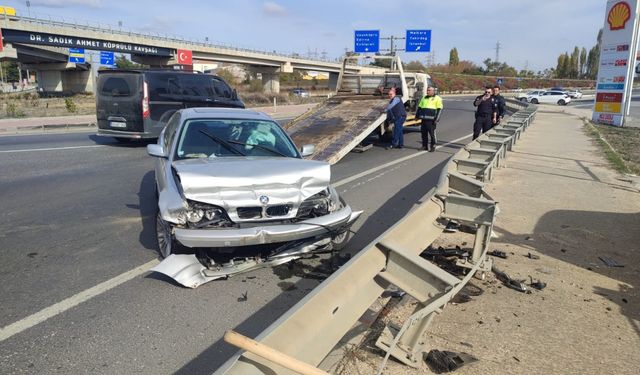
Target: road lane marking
64,305
49,149
383,166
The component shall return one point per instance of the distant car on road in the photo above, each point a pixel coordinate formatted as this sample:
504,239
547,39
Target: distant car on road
523,96
300,92
550,97
574,94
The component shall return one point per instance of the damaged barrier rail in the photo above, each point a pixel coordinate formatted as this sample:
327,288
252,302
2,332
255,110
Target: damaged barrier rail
311,329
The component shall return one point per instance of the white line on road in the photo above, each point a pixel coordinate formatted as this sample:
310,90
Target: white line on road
64,305
383,166
50,149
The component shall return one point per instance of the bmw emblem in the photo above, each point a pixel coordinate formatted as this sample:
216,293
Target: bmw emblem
264,200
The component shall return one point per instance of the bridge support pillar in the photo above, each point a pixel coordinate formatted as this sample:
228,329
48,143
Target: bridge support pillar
271,83
270,78
63,77
333,81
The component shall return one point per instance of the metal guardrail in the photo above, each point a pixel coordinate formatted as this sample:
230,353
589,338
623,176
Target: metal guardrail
311,328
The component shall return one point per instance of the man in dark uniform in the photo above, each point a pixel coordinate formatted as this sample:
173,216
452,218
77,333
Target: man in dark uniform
486,112
500,104
396,114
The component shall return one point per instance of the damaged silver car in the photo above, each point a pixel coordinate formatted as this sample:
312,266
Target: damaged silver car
231,182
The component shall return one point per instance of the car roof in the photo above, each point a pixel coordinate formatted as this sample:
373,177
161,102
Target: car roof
152,71
229,113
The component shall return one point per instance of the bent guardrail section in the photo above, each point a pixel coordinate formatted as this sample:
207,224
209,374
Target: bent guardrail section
311,328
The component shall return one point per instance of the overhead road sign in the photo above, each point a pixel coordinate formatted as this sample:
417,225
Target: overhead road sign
76,55
418,41
367,41
45,39
107,58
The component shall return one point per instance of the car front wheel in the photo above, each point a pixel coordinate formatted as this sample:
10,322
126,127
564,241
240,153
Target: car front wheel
166,242
534,101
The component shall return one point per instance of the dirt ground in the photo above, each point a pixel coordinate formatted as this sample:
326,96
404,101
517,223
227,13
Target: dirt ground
28,104
560,200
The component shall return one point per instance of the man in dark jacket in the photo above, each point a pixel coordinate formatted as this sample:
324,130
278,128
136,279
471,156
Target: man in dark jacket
486,112
396,114
500,104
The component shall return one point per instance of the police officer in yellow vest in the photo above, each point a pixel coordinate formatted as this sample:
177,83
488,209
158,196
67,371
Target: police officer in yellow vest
429,110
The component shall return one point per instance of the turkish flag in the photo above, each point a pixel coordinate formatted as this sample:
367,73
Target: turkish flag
185,57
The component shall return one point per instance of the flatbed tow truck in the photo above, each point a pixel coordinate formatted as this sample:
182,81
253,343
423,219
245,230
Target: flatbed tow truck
343,121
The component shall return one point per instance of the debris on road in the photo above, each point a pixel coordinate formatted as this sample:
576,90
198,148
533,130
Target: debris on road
452,227
532,256
498,253
446,361
537,284
610,262
441,251
509,282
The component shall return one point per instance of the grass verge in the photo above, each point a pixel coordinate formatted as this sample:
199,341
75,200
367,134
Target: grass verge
621,146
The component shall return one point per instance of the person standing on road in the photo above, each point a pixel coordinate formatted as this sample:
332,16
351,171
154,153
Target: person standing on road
500,104
429,110
396,114
486,112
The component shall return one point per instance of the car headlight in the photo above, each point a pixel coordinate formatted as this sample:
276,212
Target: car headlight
319,204
201,215
195,216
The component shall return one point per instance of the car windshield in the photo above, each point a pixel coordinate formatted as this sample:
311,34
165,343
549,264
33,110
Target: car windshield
210,138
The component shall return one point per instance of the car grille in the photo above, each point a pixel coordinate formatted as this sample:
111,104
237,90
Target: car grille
271,211
249,212
279,210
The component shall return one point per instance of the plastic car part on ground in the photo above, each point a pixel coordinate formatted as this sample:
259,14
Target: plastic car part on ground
188,270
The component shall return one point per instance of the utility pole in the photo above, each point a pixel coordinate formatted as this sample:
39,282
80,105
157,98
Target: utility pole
497,52
393,50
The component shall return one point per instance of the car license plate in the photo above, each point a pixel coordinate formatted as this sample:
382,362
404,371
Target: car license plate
115,124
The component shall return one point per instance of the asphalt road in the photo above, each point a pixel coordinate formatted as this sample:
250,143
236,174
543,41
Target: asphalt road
77,236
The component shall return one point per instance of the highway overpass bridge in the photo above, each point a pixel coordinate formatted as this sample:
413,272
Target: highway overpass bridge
42,45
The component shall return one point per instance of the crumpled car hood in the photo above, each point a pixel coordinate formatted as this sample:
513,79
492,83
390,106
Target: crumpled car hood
240,181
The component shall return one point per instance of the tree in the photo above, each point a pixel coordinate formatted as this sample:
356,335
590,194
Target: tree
583,61
414,66
453,57
592,62
123,63
566,66
574,67
227,76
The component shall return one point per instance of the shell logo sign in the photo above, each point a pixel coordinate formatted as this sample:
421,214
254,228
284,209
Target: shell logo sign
619,15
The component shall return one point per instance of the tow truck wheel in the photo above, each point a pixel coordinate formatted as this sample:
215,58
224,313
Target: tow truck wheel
166,243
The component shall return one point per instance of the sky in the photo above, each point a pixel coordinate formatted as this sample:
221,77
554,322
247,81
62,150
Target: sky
531,33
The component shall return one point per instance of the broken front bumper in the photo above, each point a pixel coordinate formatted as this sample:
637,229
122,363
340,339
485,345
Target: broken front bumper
328,224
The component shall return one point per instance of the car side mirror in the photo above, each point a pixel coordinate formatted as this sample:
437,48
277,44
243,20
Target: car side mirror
156,150
307,150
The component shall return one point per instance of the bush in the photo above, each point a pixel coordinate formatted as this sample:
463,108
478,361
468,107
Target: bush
71,105
13,111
